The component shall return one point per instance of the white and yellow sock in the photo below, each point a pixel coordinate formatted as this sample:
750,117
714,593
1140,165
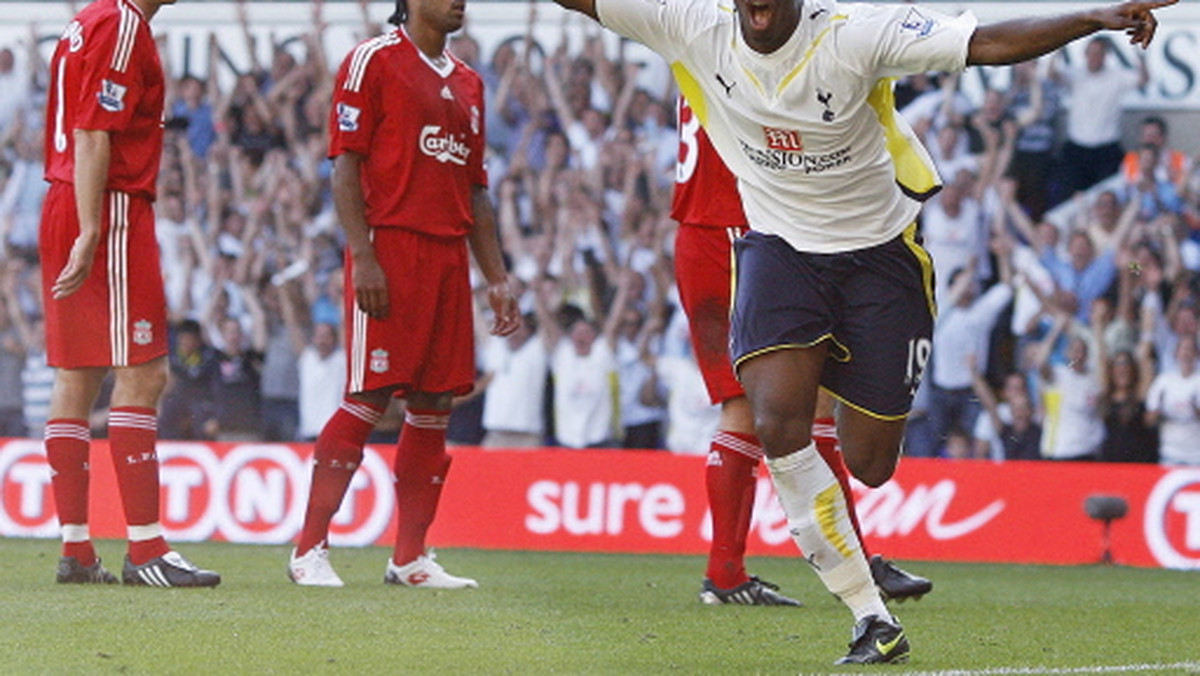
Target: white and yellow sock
820,525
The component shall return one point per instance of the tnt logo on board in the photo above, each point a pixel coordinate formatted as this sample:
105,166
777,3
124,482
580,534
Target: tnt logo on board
1172,522
26,500
258,492
185,476
238,493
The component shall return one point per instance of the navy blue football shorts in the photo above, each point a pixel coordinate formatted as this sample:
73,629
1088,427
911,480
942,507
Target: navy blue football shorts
874,306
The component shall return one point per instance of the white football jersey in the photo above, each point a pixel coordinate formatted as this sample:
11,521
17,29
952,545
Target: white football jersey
810,130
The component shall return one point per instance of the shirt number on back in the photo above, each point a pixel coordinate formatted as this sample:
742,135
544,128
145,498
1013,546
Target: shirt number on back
689,145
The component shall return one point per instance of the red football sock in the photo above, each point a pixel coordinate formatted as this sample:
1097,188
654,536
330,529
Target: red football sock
730,480
338,453
68,442
420,467
831,453
132,433
83,551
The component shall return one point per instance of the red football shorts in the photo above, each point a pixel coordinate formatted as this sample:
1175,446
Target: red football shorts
704,272
119,316
427,341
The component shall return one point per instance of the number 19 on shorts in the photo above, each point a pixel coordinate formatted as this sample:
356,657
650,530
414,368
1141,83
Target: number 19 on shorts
918,358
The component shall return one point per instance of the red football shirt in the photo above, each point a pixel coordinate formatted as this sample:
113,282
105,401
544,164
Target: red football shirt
420,128
105,75
705,190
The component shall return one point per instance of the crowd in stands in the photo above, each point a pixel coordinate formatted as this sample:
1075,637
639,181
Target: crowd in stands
1068,269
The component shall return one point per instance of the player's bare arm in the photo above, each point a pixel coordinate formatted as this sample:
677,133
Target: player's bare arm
587,7
92,154
370,282
485,245
1023,39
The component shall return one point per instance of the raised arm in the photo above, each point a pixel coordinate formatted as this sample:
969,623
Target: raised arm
1171,253
259,332
620,115
1125,224
550,331
1037,95
36,68
244,265
554,90
1002,246
1144,354
985,394
1099,320
947,112
222,101
243,17
508,220
288,302
1016,40
998,149
315,44
612,321
1045,348
1006,188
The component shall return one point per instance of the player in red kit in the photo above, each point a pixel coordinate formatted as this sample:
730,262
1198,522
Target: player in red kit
103,289
407,138
709,210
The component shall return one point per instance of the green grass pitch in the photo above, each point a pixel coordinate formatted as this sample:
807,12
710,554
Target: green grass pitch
563,613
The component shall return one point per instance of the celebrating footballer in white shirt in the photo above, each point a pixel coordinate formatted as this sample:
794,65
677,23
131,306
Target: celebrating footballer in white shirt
832,290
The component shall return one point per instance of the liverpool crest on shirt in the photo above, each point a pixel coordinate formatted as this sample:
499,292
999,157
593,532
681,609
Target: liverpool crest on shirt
379,361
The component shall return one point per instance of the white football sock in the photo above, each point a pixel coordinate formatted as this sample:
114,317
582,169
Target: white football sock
143,533
75,532
820,525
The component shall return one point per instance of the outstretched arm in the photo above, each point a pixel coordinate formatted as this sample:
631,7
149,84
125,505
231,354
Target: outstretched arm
1023,39
587,7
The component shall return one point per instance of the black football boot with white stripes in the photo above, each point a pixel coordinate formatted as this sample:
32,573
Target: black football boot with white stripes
168,570
752,592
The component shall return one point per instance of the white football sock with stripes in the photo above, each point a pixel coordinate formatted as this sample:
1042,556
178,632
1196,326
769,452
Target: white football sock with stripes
820,525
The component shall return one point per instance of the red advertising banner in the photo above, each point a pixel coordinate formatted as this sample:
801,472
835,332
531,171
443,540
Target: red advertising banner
622,501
